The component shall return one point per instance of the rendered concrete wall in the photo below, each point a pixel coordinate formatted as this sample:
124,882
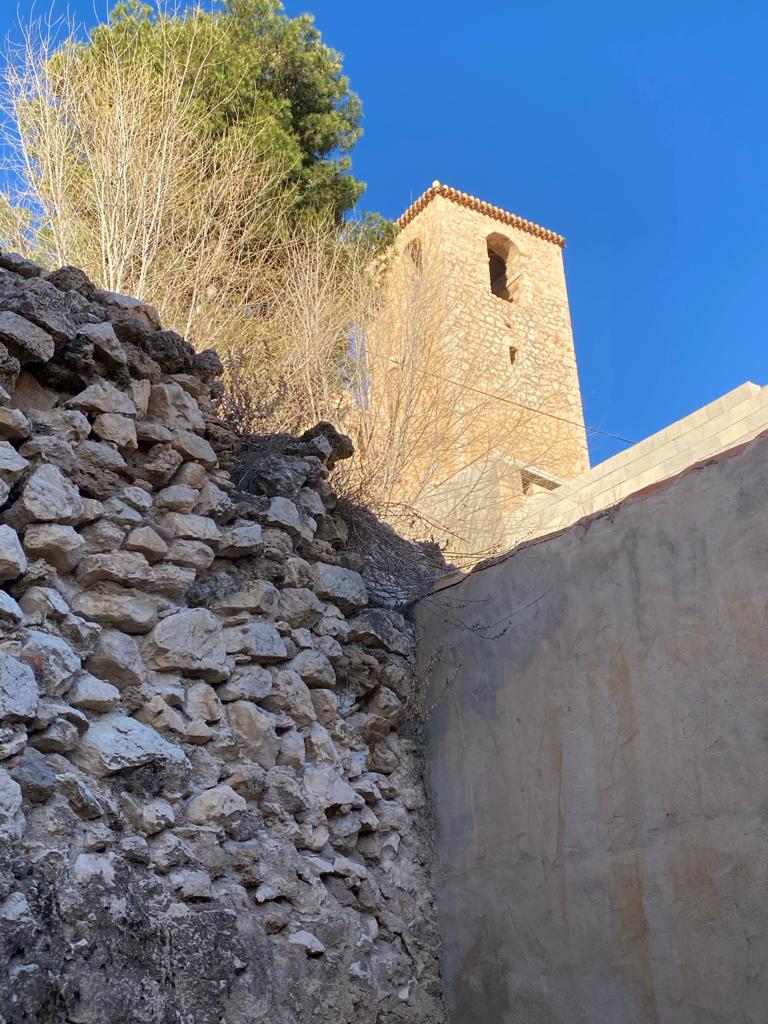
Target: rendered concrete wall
598,752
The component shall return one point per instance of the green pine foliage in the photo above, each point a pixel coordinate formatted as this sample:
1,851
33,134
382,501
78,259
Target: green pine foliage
257,66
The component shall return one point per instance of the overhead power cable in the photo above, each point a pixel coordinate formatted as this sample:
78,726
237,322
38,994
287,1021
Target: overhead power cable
521,405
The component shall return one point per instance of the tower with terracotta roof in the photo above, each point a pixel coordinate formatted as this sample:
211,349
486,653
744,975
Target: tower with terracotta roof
497,363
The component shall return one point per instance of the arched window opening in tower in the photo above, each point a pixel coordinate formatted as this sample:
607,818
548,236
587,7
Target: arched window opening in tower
503,267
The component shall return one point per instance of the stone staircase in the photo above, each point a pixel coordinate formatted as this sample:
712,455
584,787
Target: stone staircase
736,417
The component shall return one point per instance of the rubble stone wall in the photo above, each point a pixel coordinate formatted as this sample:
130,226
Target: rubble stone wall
211,806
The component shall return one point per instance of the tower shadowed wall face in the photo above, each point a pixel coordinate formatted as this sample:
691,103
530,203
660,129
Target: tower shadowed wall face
502,363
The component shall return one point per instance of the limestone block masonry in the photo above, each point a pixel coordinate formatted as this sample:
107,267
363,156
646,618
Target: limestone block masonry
514,344
211,802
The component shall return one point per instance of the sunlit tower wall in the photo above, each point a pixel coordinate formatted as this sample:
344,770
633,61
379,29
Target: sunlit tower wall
501,372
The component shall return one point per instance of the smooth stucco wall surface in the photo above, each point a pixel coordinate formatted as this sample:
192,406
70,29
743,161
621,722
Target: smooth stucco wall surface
598,755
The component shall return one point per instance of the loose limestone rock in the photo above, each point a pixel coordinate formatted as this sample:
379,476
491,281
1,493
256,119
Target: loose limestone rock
259,641
344,587
24,340
220,805
46,496
129,610
118,743
60,545
190,641
13,561
92,694
103,397
18,689
254,731
116,657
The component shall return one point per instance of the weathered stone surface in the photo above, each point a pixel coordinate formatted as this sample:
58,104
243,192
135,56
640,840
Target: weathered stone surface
190,641
342,586
47,496
252,682
300,607
177,832
291,695
254,731
11,817
10,610
171,405
52,661
33,775
118,743
128,610
126,567
105,343
12,465
305,940
18,689
58,544
201,702
114,427
13,561
314,668
259,597
147,542
193,554
259,641
191,527
116,658
103,397
14,425
376,628
177,498
195,448
92,694
59,737
240,541
218,806
43,603
24,340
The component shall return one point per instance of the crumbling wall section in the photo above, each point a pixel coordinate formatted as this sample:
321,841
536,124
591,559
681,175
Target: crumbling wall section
211,809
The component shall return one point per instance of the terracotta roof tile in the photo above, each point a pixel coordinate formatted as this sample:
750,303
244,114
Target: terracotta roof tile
472,203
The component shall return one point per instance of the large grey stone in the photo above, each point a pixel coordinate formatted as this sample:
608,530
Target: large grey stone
118,743
291,695
18,689
60,545
11,817
116,658
47,496
129,568
105,343
344,587
170,404
25,340
191,642
92,694
52,661
12,465
314,668
259,641
13,561
254,731
103,397
219,805
129,610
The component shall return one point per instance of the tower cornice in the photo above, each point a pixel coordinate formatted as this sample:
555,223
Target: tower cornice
479,206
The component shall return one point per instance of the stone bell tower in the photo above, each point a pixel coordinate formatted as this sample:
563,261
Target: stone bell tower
496,286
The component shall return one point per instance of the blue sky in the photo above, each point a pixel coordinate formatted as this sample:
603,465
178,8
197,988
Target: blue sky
636,130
